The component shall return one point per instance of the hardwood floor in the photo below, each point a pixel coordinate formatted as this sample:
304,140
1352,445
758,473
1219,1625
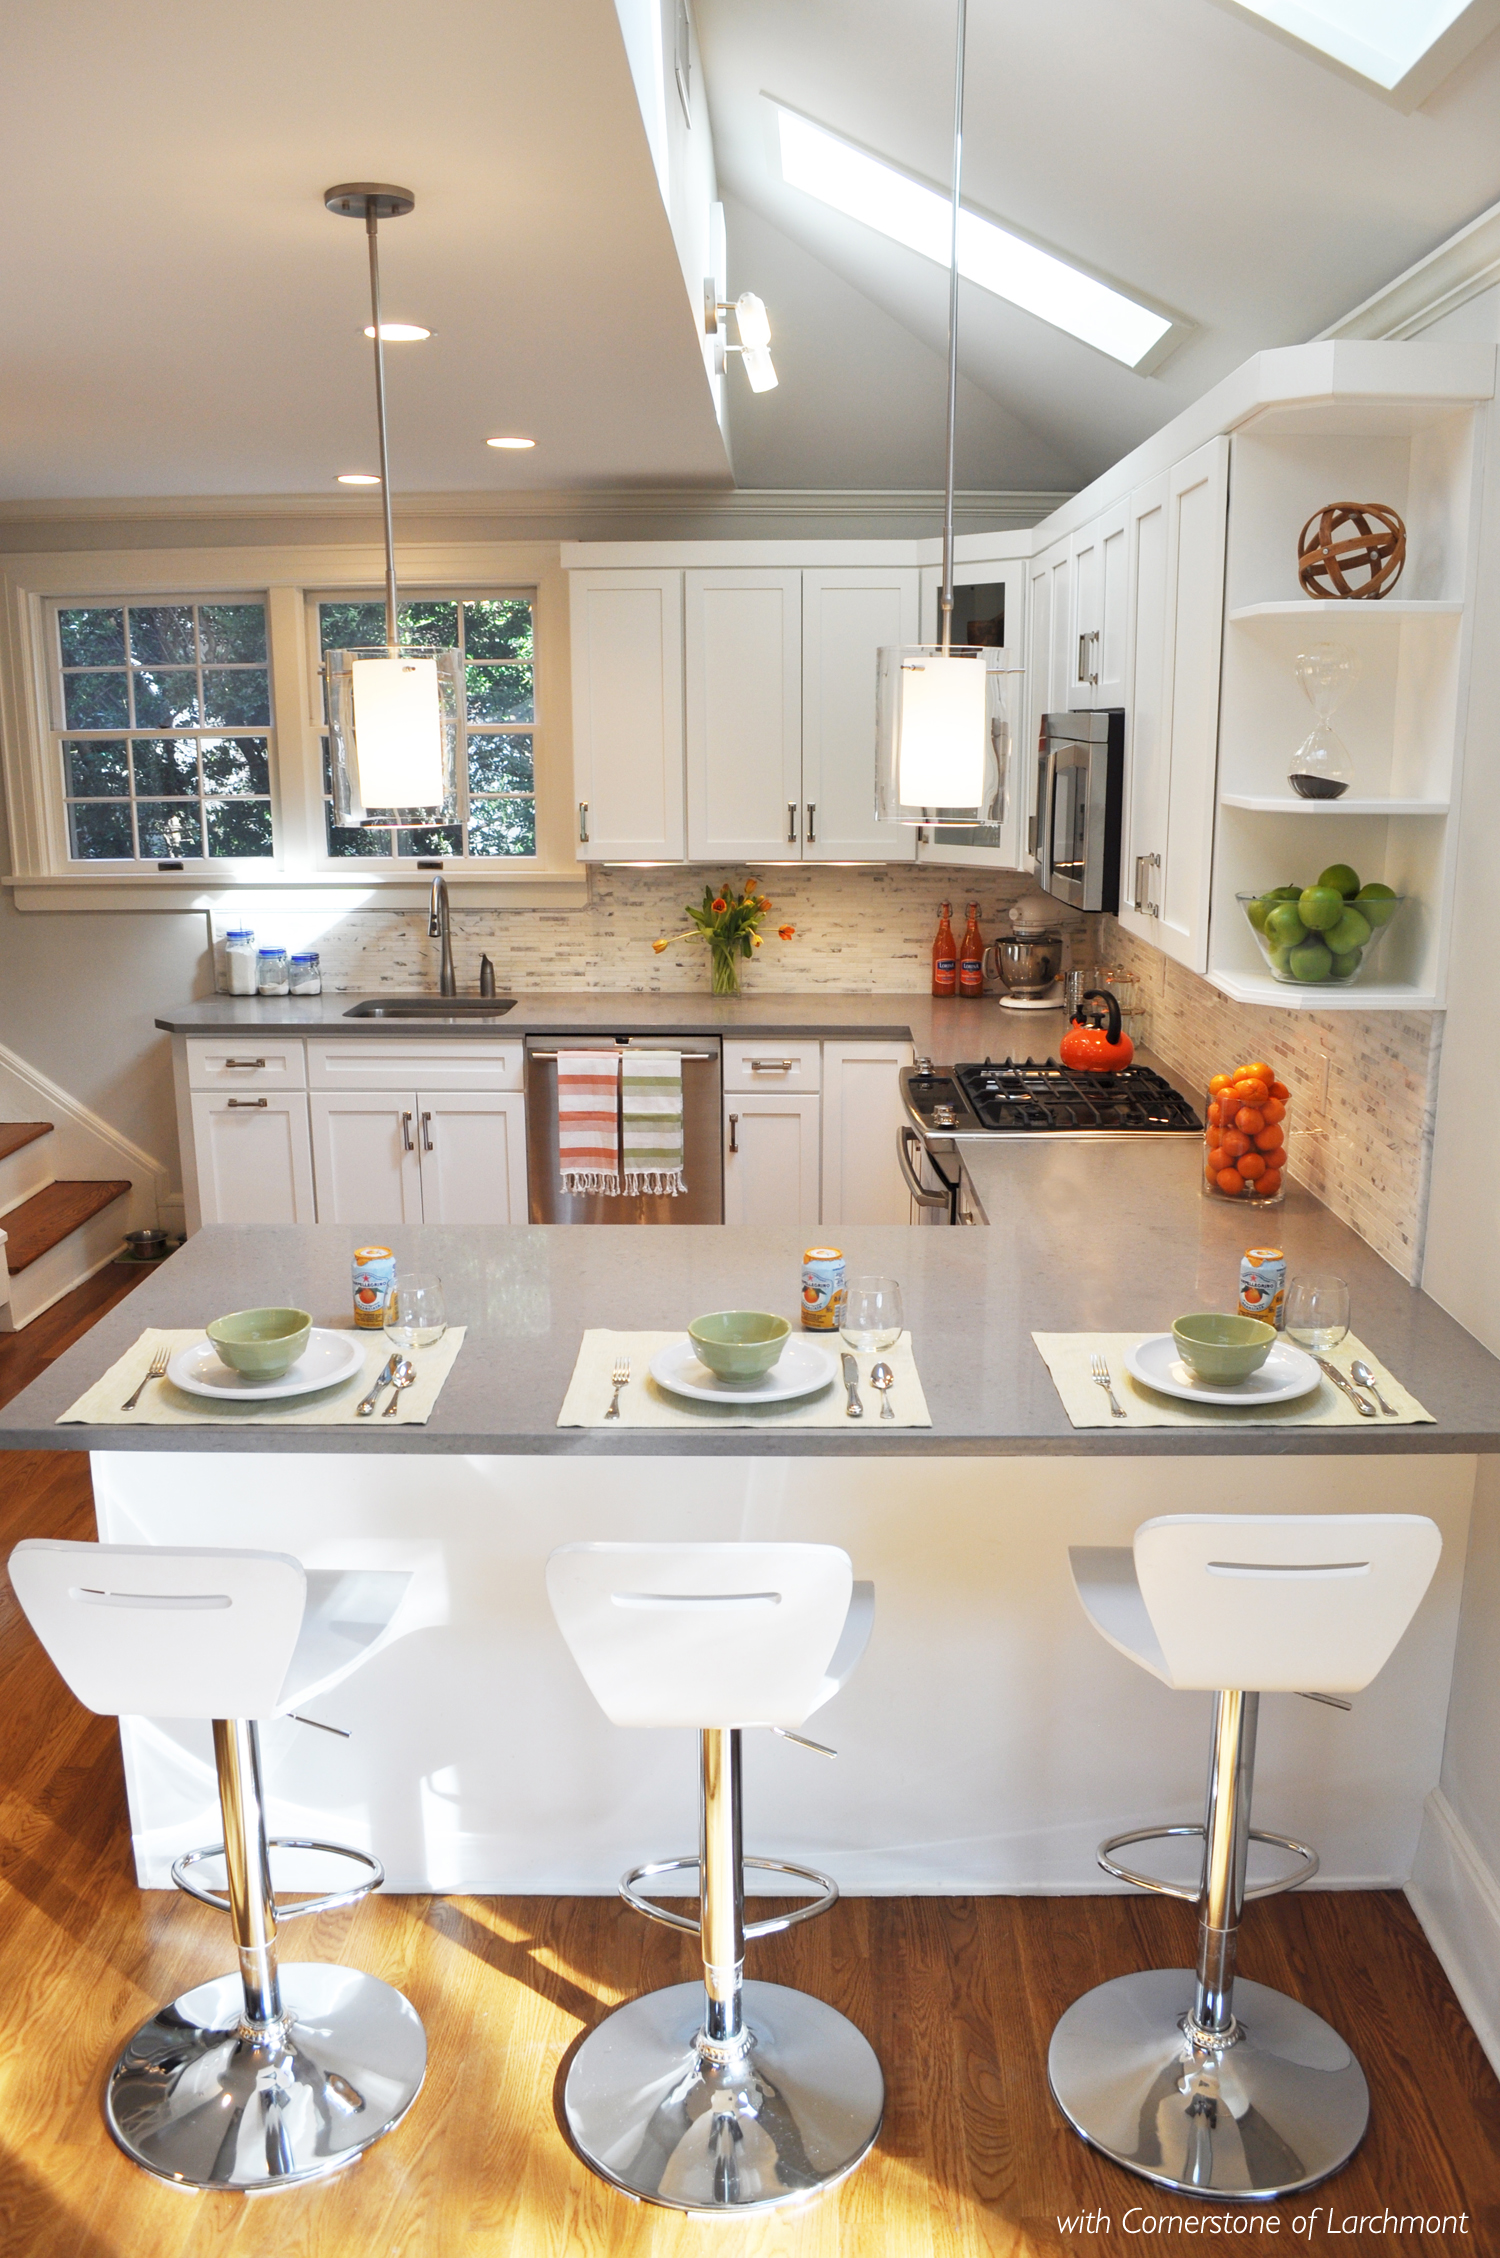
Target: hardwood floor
957,1995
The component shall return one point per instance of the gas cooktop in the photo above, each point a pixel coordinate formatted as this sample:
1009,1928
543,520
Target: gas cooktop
1040,1098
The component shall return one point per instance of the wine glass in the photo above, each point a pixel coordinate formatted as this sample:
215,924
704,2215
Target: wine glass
871,1314
414,1313
1317,1313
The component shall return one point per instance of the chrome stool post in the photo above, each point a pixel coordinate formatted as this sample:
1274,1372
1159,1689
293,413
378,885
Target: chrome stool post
1196,2079
722,2096
275,2075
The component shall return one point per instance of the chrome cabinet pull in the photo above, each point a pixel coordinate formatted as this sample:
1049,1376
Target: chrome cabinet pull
406,1143
1083,658
734,1123
770,1065
247,1062
812,830
249,1105
707,1055
427,1132
583,823
791,823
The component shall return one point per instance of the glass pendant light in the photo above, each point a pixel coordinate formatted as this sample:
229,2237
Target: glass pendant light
393,708
935,749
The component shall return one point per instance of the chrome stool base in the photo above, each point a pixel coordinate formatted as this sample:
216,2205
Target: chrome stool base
722,2131
1274,2111
205,2099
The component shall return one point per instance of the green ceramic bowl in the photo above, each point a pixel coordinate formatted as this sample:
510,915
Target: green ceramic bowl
739,1344
261,1343
1223,1349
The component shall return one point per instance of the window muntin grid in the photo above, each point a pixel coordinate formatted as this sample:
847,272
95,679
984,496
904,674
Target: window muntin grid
164,740
496,768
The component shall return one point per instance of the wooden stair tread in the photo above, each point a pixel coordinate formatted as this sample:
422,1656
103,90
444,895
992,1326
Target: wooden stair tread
49,1215
15,1134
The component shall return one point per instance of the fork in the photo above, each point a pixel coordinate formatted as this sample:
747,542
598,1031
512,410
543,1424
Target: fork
619,1378
1102,1380
155,1370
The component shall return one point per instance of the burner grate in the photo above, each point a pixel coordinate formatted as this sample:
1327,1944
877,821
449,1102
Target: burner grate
1037,1096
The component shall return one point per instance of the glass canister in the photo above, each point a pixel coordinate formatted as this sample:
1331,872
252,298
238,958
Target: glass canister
1245,1120
239,960
271,972
305,974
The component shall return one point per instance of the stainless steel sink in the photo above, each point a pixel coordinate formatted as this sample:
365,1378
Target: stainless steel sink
432,1007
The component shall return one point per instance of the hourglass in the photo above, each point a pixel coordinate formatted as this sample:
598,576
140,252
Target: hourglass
1321,765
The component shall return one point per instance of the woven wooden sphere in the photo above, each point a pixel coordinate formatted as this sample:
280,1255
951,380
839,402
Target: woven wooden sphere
1351,549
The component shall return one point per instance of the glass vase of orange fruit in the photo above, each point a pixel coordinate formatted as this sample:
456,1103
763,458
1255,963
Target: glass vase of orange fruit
1244,1136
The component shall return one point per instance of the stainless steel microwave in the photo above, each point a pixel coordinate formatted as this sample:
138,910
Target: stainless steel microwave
1080,790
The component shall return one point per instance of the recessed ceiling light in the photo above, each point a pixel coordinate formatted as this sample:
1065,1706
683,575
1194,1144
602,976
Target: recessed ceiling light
357,478
398,332
868,189
510,442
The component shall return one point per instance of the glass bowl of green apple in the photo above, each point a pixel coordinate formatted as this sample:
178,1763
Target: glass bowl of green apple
1322,935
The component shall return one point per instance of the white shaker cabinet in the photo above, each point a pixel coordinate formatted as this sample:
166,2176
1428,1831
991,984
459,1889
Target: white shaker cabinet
253,1159
1197,517
862,1110
771,1159
1098,635
1147,751
365,1157
420,1156
743,673
848,613
628,716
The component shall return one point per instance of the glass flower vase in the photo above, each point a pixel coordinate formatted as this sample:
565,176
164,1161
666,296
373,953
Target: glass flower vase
725,960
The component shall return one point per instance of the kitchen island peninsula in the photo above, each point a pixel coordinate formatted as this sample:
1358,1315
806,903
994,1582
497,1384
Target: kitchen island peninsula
989,1740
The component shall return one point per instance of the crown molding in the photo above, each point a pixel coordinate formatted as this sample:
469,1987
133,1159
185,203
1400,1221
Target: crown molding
1456,271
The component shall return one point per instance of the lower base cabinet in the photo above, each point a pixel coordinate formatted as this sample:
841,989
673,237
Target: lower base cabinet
419,1156
862,1110
254,1164
771,1159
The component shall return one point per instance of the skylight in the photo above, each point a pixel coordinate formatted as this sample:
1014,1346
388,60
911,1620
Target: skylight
865,188
1380,40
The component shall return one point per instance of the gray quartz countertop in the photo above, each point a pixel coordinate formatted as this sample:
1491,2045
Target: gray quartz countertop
1111,1236
942,1029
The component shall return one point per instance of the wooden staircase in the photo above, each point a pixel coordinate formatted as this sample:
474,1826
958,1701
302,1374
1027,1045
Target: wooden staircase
53,1232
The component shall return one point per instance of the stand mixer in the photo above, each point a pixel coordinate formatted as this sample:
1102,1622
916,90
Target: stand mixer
1029,963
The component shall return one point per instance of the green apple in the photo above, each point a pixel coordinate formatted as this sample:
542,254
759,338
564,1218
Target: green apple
1346,964
1320,908
1377,903
1284,925
1283,894
1311,962
1280,961
1351,932
1343,880
1258,911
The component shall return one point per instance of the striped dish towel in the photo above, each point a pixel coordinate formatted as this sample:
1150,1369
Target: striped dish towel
588,1120
651,1108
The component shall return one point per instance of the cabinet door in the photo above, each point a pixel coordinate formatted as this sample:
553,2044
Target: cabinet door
1144,831
771,1160
1197,511
1038,691
743,654
473,1151
365,1157
862,1110
1086,588
846,616
253,1158
627,715
1111,653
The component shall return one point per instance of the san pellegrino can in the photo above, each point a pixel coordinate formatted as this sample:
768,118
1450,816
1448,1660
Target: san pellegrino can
373,1275
823,1276
1263,1284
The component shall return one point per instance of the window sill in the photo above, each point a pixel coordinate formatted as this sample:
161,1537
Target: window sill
405,889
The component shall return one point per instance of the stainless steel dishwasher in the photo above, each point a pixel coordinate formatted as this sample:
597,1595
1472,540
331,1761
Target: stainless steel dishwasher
702,1136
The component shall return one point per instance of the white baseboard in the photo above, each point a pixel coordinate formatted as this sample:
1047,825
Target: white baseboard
1456,1898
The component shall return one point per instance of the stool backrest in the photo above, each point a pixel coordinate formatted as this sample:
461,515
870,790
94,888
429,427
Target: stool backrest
163,1630
1283,1602
702,1634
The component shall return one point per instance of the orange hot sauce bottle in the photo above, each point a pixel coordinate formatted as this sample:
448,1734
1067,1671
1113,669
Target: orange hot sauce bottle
945,956
971,956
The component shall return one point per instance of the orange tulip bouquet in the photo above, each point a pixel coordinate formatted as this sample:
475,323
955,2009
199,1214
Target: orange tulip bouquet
728,922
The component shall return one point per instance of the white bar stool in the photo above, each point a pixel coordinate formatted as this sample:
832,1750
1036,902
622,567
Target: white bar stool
730,2096
239,2083
1196,2083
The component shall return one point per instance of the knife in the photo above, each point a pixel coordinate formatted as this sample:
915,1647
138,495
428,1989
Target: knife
366,1404
853,1409
1365,1409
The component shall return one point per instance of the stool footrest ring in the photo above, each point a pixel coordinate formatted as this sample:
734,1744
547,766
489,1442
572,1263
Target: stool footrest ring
824,1884
1193,1895
284,1913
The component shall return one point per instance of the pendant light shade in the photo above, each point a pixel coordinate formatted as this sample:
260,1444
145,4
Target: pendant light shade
934,759
393,735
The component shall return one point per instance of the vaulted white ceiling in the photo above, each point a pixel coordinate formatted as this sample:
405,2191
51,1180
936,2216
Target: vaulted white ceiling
1175,147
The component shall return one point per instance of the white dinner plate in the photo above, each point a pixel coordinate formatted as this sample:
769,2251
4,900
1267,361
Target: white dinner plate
1288,1372
328,1358
801,1369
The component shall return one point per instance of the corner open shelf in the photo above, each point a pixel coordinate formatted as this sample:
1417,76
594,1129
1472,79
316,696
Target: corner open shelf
1285,803
1378,995
1390,609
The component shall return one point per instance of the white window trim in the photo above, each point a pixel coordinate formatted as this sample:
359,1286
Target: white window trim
41,874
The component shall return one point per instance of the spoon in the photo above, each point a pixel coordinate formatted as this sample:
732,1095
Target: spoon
1367,1379
883,1378
366,1404
402,1377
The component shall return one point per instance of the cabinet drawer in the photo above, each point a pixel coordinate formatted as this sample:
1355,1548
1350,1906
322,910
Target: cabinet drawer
772,1065
387,1063
254,1061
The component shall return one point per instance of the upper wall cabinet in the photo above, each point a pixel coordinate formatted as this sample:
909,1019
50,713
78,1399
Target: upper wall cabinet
848,613
744,714
1098,632
627,716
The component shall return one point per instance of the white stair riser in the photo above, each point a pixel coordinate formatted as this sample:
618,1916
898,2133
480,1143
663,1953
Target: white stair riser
30,1169
66,1265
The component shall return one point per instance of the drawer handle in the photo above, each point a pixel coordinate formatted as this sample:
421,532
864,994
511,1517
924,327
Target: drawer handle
771,1065
244,1062
427,1132
406,1143
734,1123
249,1104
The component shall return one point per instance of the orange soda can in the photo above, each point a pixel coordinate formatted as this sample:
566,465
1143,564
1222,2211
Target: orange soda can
1263,1284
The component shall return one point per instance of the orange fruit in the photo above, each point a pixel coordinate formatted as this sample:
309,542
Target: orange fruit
1280,1090
1230,1180
1251,1166
1250,1119
1215,1114
1252,1091
1219,1082
1270,1184
1268,1140
1235,1144
1274,1109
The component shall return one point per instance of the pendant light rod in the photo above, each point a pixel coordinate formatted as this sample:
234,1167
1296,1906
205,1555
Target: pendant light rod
946,598
373,202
